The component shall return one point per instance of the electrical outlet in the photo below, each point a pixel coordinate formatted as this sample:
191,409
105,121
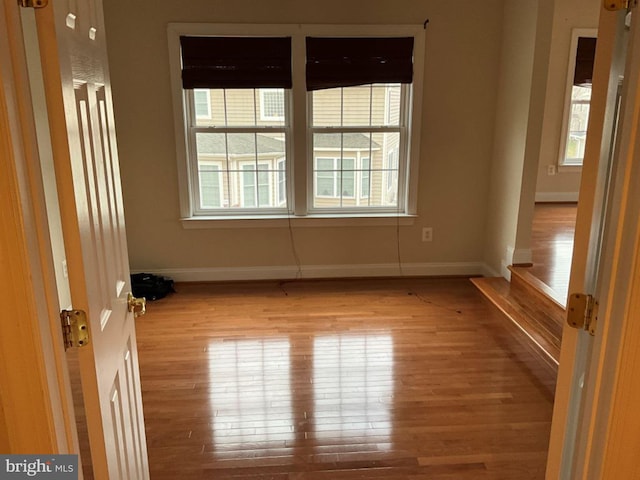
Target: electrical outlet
427,234
551,169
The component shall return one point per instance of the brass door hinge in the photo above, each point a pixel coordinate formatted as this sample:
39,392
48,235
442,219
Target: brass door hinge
33,3
75,330
582,312
615,5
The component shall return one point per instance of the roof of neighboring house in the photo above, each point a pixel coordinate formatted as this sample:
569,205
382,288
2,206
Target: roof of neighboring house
245,143
237,144
349,140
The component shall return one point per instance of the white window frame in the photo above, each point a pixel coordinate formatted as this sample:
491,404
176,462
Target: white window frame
191,131
563,165
299,176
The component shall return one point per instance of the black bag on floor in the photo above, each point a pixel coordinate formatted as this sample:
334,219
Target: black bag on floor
149,286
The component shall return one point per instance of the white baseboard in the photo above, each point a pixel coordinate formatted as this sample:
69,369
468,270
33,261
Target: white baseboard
320,271
522,255
542,197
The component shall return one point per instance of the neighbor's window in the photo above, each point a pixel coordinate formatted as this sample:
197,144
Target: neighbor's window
238,97
578,101
202,103
271,104
577,128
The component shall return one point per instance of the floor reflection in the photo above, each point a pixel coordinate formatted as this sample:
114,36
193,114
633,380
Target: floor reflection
353,387
254,398
560,265
250,391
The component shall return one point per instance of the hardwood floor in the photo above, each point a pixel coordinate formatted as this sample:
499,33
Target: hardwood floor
354,379
552,245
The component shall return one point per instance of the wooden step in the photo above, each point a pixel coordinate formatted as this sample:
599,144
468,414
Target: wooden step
537,315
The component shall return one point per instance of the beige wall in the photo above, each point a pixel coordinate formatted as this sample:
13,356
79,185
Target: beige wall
569,14
462,54
512,123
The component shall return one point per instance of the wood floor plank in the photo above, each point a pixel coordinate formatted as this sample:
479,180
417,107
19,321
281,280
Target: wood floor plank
345,379
552,235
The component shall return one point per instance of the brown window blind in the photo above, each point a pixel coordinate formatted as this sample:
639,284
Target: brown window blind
585,56
236,62
345,62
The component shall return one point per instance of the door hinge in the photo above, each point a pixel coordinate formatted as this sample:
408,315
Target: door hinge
615,5
582,312
75,330
33,3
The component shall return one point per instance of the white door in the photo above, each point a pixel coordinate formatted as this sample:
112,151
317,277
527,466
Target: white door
76,78
607,218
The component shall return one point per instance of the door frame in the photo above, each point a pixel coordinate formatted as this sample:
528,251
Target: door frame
36,411
36,407
603,413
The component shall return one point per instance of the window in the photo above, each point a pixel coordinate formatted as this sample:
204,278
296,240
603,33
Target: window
578,98
578,121
354,122
256,185
271,104
282,182
210,186
202,103
335,178
365,178
234,95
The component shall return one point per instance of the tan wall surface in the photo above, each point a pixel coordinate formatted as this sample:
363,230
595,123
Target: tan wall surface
461,71
516,73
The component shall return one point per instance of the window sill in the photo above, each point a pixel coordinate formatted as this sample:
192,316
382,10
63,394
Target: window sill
569,168
280,221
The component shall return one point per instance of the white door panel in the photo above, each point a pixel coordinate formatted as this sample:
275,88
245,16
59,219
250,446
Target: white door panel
72,41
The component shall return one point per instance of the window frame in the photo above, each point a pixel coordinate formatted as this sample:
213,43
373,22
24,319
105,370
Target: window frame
563,164
191,132
401,129
299,159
